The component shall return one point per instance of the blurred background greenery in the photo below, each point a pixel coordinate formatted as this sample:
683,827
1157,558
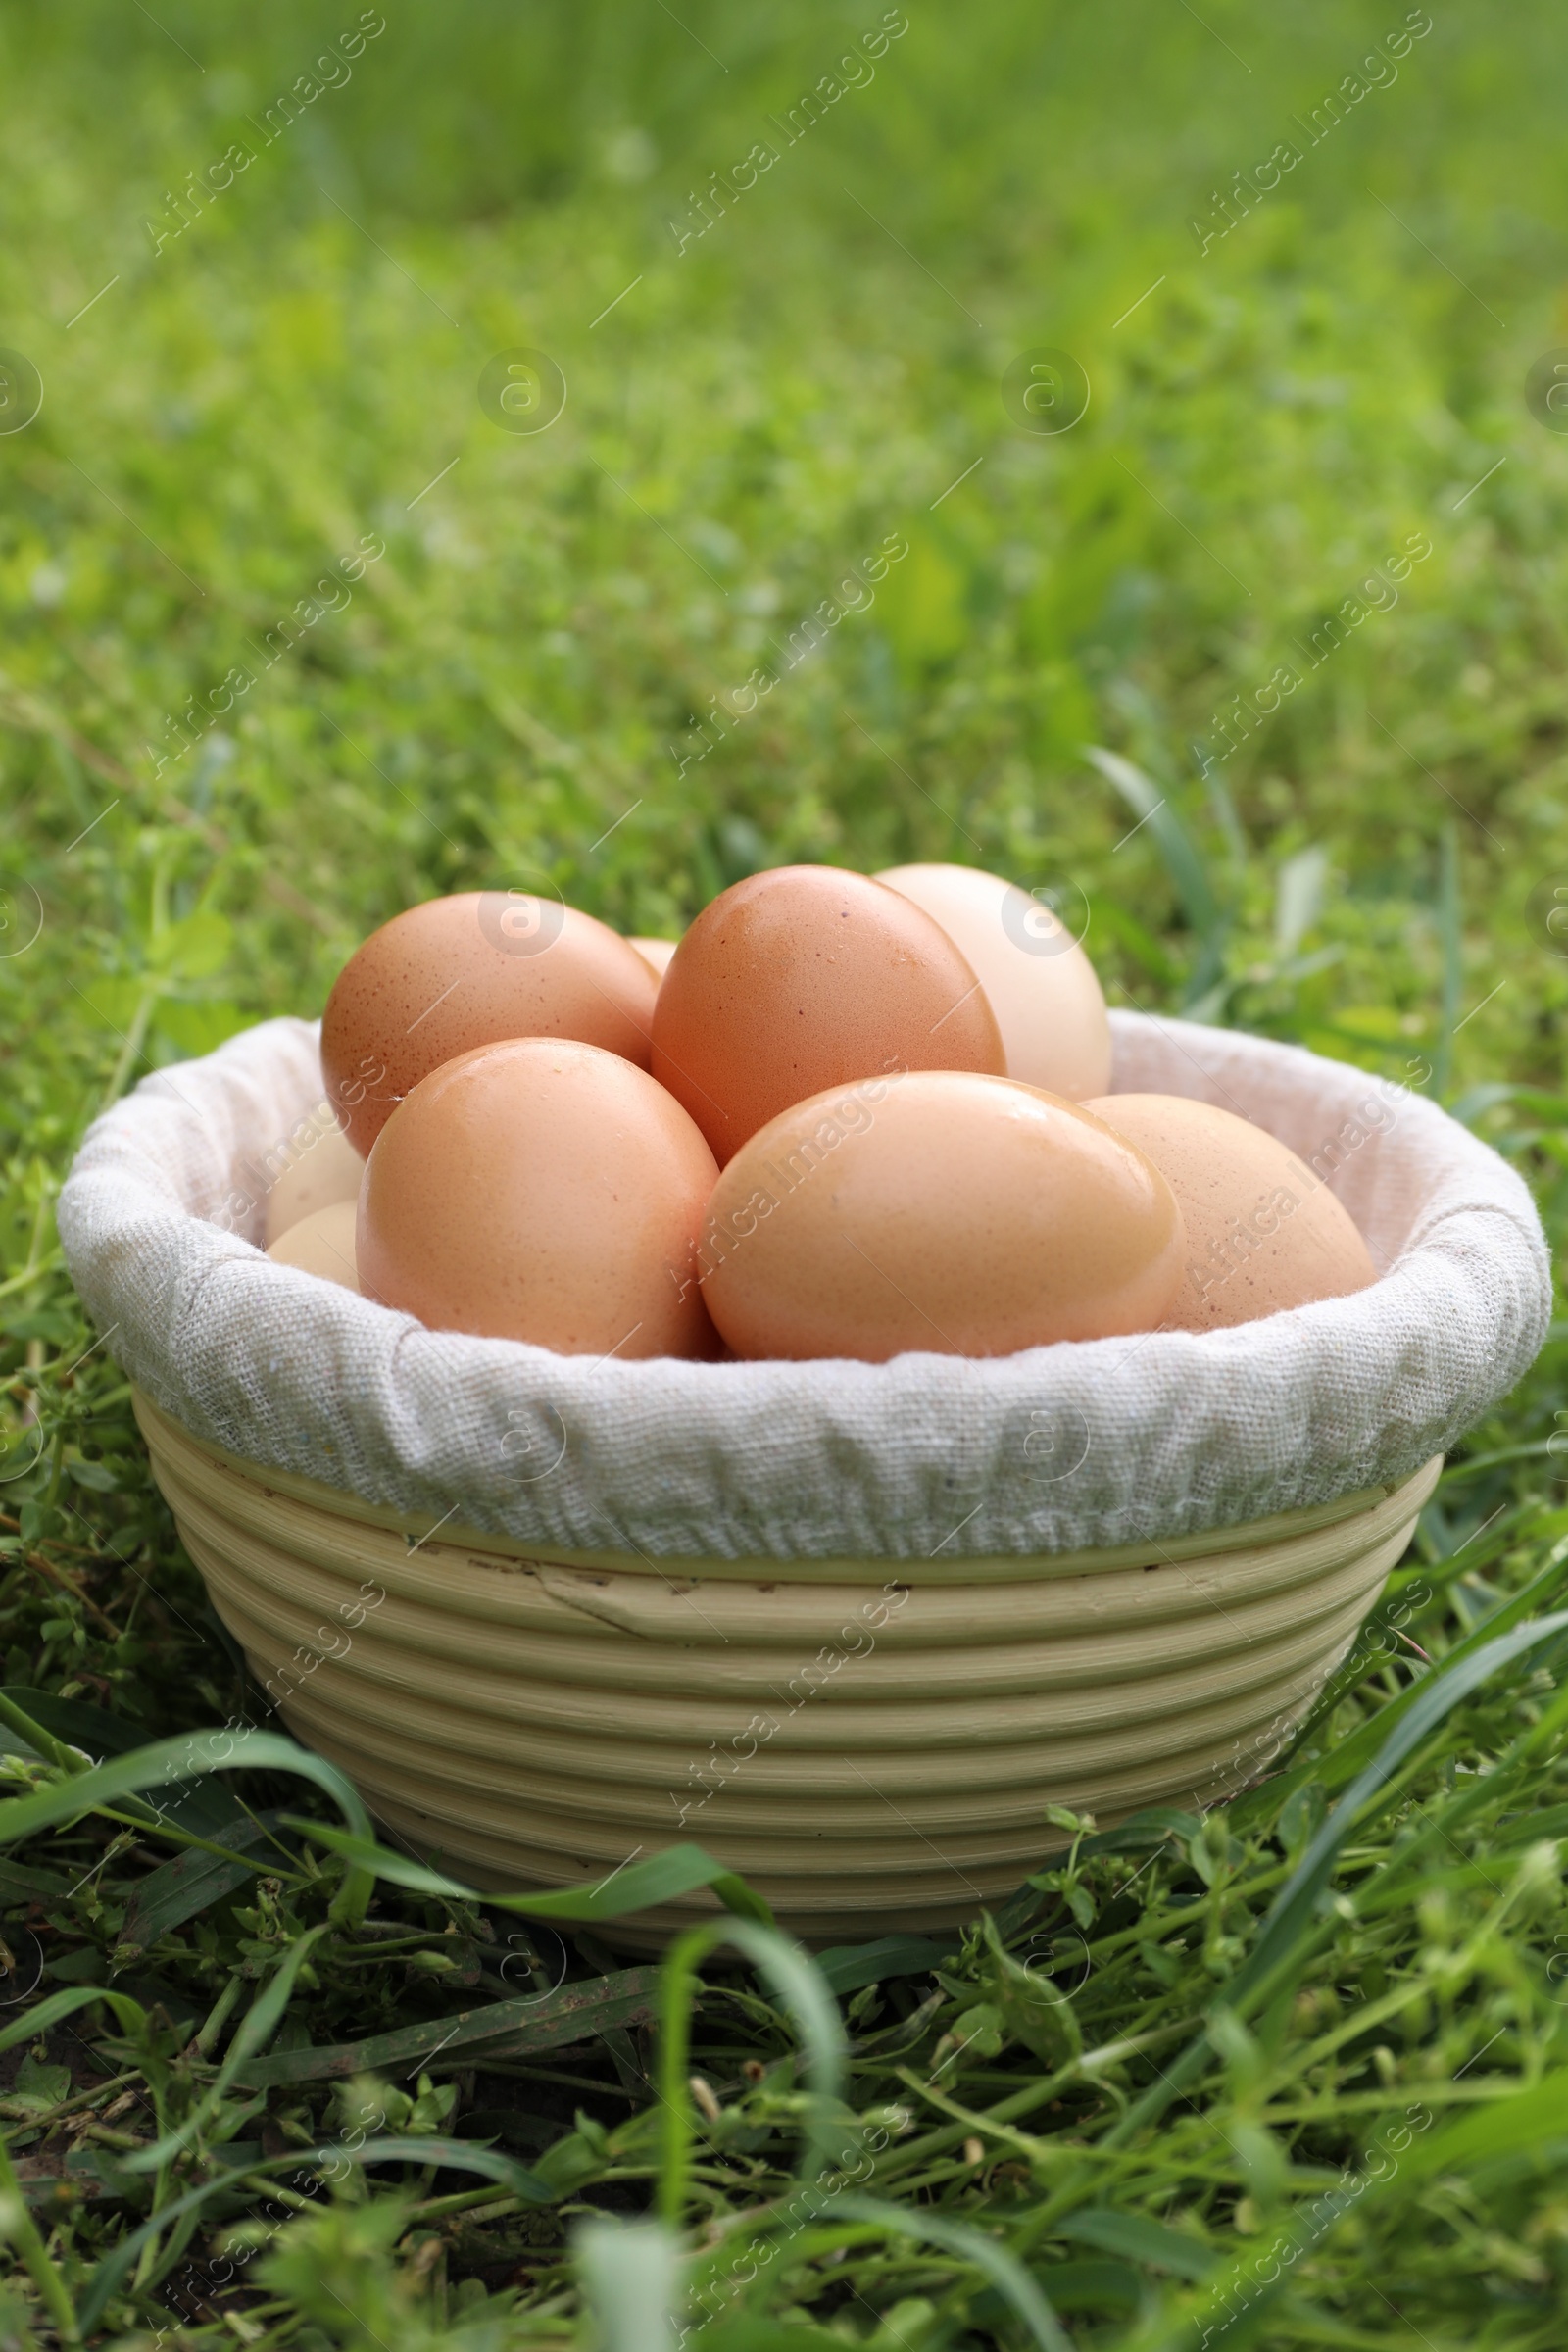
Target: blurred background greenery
254,392
246,379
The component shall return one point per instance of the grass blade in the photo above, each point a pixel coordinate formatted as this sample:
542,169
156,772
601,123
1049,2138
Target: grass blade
1292,1912
1003,2270
801,1986
678,1870
190,1883
59,2006
19,2228
846,1967
1137,2238
1205,917
630,2274
257,2027
168,1761
1353,1754
511,2029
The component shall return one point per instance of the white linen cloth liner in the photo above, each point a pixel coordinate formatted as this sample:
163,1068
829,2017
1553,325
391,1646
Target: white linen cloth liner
1056,1448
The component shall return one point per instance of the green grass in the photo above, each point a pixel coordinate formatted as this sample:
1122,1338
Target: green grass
1330,2044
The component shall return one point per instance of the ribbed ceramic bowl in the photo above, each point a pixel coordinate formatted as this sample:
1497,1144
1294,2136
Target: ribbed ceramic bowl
873,1743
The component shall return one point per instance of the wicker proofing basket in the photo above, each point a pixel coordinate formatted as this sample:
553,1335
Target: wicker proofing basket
873,1743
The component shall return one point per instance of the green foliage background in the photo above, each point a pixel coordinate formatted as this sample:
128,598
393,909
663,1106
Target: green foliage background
229,409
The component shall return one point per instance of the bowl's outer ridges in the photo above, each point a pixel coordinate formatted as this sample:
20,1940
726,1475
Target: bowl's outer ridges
871,1748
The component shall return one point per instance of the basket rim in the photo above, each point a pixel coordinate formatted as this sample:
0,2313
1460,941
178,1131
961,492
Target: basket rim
417,1528
1112,1447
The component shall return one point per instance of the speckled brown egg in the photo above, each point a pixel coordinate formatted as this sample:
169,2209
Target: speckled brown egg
809,977
1263,1233
939,1211
541,1190
322,1244
459,972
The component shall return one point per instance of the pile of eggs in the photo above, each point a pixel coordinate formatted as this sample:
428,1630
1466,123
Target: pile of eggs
843,1116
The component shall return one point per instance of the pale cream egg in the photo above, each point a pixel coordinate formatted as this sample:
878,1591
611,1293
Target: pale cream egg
1041,987
322,1244
325,1171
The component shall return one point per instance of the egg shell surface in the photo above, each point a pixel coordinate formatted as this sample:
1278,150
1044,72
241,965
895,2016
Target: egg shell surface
807,977
1041,985
322,1244
939,1211
541,1190
1263,1231
459,972
327,1169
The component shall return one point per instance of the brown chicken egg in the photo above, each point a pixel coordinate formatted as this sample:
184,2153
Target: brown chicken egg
807,977
541,1190
1041,985
455,973
656,953
1263,1233
322,1242
939,1211
326,1171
